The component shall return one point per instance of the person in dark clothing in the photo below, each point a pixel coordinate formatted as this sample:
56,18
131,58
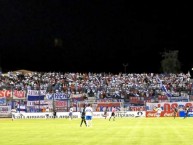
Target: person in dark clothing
54,114
105,112
83,116
113,114
187,109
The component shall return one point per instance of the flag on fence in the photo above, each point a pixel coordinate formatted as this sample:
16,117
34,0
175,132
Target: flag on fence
36,95
3,101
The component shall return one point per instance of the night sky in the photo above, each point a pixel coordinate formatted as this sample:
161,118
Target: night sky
92,36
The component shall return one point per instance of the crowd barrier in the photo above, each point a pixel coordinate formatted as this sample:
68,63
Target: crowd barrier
128,114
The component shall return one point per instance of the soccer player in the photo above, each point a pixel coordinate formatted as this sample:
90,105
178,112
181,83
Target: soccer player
175,109
47,112
70,113
54,114
187,109
105,112
159,110
113,114
89,113
13,111
83,116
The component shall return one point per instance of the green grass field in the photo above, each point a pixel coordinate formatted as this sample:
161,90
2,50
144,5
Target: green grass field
127,131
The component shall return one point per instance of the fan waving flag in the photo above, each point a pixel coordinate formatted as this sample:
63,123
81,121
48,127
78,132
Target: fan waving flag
163,88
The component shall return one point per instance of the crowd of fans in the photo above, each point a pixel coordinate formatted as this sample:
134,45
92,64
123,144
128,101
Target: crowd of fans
100,85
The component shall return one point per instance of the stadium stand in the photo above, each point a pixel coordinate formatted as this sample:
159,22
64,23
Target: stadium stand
133,89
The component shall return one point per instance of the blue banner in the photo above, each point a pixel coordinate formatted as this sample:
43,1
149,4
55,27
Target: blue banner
35,98
182,114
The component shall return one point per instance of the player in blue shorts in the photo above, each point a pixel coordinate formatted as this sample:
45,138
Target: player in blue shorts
89,113
70,113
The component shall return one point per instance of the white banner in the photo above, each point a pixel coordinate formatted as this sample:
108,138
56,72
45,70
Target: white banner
131,114
56,96
42,115
77,95
41,102
36,92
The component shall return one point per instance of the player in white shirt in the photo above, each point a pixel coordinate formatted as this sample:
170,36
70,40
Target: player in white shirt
70,113
89,113
158,110
13,111
47,112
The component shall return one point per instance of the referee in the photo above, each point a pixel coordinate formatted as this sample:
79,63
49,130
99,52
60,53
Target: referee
83,116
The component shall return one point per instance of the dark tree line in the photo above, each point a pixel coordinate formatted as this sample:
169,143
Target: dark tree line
170,62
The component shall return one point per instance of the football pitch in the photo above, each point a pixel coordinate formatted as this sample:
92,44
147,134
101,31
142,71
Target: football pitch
122,131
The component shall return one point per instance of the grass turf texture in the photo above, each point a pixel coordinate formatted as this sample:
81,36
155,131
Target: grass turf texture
123,131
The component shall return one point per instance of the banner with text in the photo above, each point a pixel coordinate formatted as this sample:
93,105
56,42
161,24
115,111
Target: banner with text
35,95
129,114
168,106
18,94
56,96
5,93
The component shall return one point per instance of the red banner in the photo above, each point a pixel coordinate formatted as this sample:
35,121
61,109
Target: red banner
18,94
137,108
168,114
163,114
151,114
107,104
61,103
5,93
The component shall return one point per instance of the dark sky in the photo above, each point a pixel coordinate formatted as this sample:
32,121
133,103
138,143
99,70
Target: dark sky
95,36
